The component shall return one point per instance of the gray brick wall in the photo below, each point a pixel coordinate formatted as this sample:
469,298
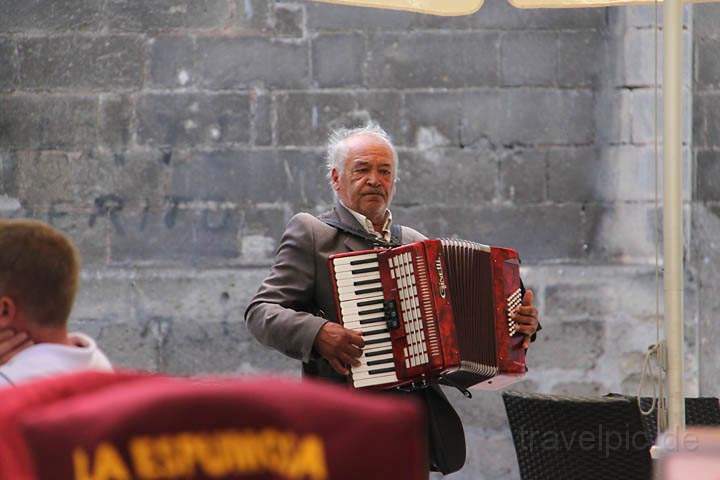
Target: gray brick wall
706,189
173,139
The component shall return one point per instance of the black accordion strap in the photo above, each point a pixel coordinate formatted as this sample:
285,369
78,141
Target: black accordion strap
395,233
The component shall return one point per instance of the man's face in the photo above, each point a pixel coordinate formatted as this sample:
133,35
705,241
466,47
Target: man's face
367,182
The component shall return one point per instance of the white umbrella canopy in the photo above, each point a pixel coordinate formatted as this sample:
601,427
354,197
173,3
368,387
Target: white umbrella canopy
467,7
432,7
672,204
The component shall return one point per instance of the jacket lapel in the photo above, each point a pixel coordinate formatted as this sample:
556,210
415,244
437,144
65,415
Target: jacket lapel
352,242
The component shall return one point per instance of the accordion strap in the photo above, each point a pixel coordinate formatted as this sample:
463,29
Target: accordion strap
395,233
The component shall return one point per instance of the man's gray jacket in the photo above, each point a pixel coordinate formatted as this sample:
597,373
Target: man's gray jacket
296,299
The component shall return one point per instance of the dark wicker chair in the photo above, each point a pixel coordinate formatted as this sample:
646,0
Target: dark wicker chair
704,411
567,438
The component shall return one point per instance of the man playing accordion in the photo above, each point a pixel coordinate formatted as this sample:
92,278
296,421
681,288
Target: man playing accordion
294,310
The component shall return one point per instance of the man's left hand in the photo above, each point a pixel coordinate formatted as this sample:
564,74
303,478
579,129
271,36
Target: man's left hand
526,317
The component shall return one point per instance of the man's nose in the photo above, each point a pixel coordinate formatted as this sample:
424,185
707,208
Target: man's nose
373,179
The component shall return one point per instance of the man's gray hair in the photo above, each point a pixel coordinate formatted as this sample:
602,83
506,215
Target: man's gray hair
337,149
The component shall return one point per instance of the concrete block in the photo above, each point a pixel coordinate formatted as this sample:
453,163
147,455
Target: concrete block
9,61
239,177
176,235
10,207
622,172
626,233
219,347
437,22
639,58
528,117
547,117
104,296
523,176
490,454
699,130
339,17
128,345
616,296
433,119
115,116
250,177
643,16
706,247
253,15
78,62
613,116
482,119
705,18
552,348
195,296
502,15
289,20
581,57
529,58
239,62
49,122
628,341
90,241
710,105
307,119
261,103
539,232
643,116
708,176
173,62
423,59
583,389
573,174
166,15
262,228
192,348
338,59
8,176
485,410
644,110
383,108
79,180
607,175
139,177
448,177
190,119
45,178
51,15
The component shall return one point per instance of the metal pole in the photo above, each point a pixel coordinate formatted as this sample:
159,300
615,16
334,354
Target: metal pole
673,211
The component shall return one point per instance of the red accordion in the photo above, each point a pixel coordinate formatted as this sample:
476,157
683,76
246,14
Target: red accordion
435,309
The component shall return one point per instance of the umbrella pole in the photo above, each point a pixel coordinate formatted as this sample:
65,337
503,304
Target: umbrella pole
673,211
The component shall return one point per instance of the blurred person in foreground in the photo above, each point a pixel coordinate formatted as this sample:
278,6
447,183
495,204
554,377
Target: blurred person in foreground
39,270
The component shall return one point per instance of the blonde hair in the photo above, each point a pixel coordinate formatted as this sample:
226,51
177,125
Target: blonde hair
39,270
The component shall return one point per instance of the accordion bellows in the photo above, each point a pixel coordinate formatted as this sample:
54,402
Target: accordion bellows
432,310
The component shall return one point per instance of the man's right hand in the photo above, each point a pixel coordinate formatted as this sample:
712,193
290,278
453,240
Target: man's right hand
339,346
11,343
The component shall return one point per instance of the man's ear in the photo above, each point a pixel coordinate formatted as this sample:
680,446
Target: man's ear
335,177
8,310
